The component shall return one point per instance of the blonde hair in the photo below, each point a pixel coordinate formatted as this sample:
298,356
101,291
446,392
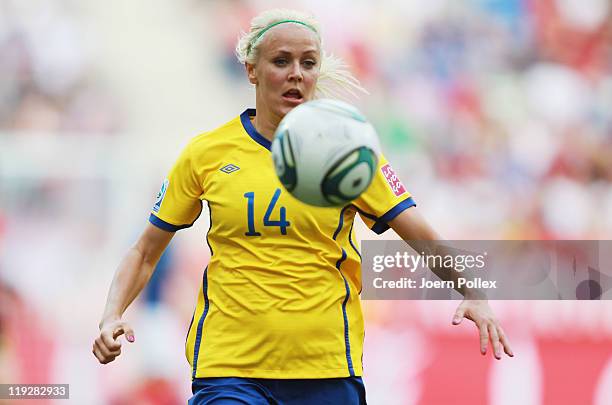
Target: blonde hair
335,79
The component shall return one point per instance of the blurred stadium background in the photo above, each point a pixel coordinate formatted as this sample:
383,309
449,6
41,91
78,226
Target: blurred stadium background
497,114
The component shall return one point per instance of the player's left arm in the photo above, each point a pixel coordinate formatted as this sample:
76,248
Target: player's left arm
413,229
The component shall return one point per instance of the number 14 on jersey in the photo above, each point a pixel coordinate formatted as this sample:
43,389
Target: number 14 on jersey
282,222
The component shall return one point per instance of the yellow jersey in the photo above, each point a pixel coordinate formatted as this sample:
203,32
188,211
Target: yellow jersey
280,296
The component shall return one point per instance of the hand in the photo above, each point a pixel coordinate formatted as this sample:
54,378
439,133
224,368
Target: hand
481,314
107,346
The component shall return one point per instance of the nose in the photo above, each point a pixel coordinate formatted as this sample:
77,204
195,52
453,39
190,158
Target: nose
295,73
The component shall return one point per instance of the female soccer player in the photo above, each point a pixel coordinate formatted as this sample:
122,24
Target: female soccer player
278,317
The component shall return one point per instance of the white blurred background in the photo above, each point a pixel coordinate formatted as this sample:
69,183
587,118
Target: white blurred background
497,115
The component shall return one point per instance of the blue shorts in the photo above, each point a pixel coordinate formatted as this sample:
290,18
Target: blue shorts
260,391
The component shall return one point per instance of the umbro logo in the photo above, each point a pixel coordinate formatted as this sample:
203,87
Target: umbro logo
230,168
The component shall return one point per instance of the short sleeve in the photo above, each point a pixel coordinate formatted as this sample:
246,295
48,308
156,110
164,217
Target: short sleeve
384,200
178,204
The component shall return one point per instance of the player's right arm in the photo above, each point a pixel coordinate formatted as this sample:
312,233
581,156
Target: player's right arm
130,278
177,206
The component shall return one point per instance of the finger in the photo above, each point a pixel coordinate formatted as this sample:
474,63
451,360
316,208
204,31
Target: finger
126,329
97,353
101,358
108,351
107,354
505,342
101,349
494,340
484,338
109,341
459,314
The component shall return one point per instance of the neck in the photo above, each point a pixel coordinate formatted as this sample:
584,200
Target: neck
265,122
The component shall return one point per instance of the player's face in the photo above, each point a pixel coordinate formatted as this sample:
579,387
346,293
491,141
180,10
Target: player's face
287,68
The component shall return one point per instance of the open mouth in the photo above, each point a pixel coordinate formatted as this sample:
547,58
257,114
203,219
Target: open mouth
293,95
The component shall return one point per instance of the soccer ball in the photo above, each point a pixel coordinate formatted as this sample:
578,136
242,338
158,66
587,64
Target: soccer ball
325,152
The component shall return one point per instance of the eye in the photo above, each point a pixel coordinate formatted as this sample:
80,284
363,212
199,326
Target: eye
309,63
280,61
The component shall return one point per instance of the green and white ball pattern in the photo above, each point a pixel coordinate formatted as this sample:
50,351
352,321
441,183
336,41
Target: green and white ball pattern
351,176
284,162
325,153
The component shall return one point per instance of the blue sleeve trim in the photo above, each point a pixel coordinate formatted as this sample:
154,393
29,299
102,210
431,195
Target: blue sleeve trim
161,224
382,225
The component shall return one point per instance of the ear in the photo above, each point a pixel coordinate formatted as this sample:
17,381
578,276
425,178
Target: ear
250,68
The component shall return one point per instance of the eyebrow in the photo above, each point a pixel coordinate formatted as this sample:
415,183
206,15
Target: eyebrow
284,52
